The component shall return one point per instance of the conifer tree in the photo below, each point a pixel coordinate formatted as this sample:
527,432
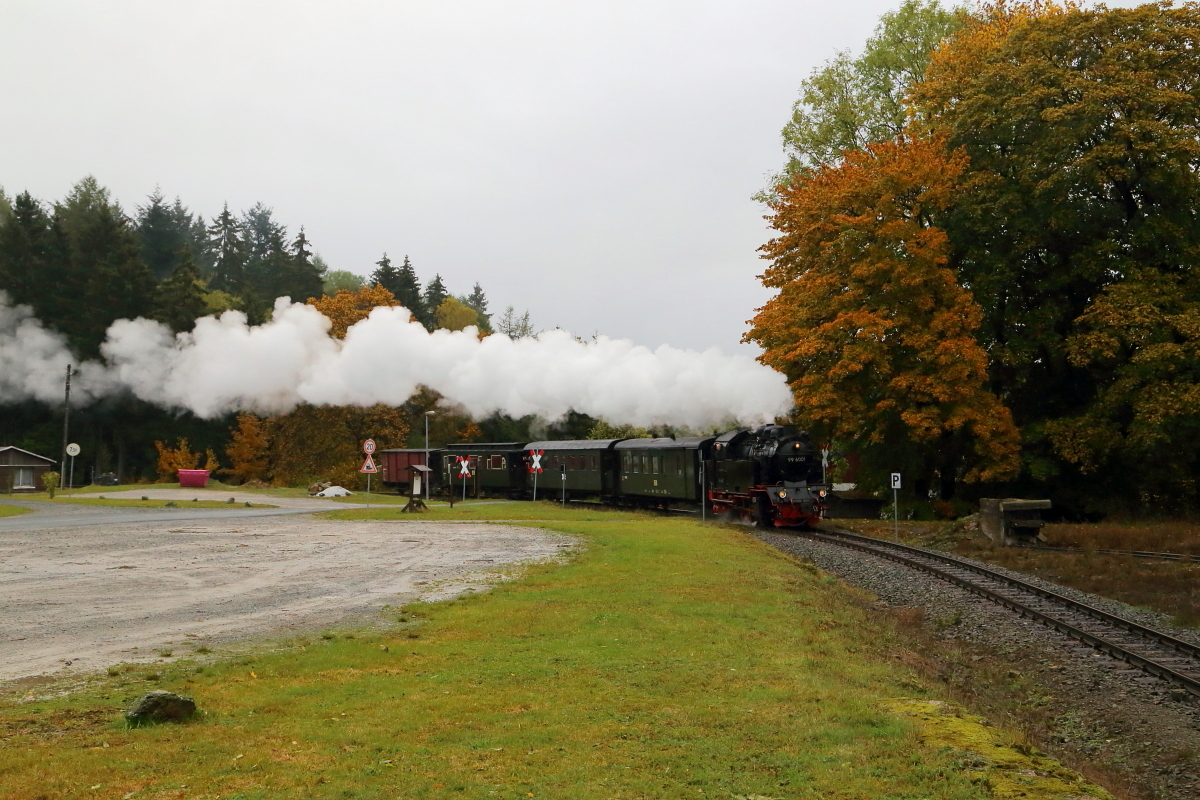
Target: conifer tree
81,203
435,294
179,300
27,254
304,279
162,234
229,255
119,285
403,284
477,301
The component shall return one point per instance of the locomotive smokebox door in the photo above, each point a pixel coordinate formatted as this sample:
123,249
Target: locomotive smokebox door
1011,521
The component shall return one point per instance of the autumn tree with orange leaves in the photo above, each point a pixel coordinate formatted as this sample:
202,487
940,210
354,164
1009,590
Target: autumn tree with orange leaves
870,326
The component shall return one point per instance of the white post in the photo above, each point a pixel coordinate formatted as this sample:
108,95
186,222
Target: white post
896,505
72,483
564,481
427,414
896,511
535,474
703,494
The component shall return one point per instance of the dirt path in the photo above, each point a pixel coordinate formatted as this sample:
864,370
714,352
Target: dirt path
79,599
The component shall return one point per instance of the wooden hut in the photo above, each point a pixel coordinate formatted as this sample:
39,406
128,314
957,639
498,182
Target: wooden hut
21,470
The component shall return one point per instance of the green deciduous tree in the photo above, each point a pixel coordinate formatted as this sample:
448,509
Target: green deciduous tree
1082,127
180,299
340,280
850,102
454,315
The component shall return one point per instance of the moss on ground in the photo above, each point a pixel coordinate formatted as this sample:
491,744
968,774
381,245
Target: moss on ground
1008,769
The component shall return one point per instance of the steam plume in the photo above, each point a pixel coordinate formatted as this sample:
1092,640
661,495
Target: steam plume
226,365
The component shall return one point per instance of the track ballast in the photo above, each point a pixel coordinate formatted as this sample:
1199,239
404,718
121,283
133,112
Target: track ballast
1154,652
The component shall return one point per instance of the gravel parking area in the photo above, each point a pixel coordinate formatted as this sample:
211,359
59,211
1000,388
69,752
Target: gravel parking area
79,598
1105,713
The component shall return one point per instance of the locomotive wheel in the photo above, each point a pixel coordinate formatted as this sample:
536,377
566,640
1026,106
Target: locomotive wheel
763,513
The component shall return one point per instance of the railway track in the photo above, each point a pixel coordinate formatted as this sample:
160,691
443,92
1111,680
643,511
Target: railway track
1154,652
1109,552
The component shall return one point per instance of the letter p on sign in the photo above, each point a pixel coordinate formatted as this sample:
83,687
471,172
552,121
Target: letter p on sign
895,480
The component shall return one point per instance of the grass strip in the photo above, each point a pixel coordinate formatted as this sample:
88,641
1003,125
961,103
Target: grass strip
125,502
12,511
668,660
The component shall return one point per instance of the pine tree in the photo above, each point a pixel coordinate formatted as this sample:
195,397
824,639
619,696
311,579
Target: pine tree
477,300
6,209
229,256
179,300
304,279
403,284
268,261
27,254
435,294
162,234
119,285
83,201
195,234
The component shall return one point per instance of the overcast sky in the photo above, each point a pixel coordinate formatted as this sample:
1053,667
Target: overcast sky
590,162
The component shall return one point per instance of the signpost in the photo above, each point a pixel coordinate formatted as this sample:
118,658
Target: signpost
535,467
563,468
368,466
896,503
72,451
464,470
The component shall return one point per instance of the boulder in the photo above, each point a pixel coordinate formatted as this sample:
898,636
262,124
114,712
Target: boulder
319,487
161,706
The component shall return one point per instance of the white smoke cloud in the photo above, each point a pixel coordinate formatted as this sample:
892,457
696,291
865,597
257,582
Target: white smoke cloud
226,365
33,361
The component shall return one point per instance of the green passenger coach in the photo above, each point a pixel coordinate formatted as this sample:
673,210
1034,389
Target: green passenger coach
661,470
584,467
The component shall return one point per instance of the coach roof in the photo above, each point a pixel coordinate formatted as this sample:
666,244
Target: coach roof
574,444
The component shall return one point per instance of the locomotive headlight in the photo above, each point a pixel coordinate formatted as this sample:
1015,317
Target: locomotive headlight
781,494
821,493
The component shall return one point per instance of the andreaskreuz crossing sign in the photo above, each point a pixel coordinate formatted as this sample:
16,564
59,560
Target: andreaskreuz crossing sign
535,460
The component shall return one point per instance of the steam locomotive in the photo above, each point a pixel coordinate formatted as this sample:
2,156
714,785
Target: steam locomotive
771,476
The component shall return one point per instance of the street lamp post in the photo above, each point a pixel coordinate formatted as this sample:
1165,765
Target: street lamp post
428,414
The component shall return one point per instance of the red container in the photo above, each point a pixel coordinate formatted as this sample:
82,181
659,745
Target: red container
193,478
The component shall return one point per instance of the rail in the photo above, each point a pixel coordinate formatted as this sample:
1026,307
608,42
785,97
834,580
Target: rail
1165,663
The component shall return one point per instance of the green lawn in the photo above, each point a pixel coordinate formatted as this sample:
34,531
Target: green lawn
123,502
664,660
12,511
